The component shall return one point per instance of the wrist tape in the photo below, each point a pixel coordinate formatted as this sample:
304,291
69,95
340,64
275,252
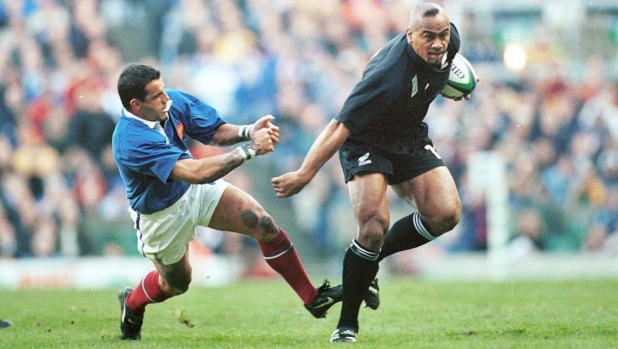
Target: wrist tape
246,152
243,133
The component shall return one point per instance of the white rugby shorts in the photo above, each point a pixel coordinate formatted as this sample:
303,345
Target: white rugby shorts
163,236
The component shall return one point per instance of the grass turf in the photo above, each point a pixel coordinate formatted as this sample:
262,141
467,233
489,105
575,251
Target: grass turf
267,314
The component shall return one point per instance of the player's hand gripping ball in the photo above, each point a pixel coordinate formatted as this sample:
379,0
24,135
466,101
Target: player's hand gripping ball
462,79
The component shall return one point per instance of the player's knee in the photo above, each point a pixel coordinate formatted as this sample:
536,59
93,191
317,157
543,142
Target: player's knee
258,222
448,223
454,215
372,232
266,228
447,219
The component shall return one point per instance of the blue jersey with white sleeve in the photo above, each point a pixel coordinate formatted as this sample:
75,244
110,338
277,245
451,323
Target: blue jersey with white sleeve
146,155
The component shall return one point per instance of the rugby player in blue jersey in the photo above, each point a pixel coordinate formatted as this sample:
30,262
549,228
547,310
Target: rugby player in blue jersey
171,193
382,140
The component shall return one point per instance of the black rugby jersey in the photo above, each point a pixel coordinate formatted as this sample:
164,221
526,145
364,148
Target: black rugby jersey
387,106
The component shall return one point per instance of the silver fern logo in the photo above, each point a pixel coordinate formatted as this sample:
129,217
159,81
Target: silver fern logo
414,85
364,160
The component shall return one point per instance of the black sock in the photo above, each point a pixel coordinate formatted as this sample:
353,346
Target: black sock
360,267
407,233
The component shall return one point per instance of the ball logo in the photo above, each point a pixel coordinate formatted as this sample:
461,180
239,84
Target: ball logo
458,72
461,80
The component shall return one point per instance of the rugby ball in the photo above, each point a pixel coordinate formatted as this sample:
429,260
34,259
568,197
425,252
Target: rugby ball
461,80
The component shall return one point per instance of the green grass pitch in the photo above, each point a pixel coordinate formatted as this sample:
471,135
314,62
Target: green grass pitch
267,314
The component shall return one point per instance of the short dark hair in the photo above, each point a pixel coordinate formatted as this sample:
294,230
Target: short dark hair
432,12
132,82
424,10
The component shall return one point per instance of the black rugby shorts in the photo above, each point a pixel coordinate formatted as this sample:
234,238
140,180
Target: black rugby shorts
357,157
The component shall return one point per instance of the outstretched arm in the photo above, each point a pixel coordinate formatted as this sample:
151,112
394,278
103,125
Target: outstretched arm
228,134
209,169
324,147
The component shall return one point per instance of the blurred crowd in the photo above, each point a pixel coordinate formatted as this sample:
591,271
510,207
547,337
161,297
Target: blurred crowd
61,195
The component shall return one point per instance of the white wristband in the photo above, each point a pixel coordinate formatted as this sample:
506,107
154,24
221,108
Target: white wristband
246,152
243,133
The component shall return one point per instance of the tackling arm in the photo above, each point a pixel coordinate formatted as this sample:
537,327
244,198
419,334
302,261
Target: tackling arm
228,134
206,170
210,169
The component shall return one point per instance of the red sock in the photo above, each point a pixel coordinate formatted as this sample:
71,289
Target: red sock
281,256
148,291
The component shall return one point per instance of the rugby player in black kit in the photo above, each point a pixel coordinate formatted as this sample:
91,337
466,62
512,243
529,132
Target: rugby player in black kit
382,140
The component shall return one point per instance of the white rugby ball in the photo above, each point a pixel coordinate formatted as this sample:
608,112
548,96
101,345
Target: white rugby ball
461,80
